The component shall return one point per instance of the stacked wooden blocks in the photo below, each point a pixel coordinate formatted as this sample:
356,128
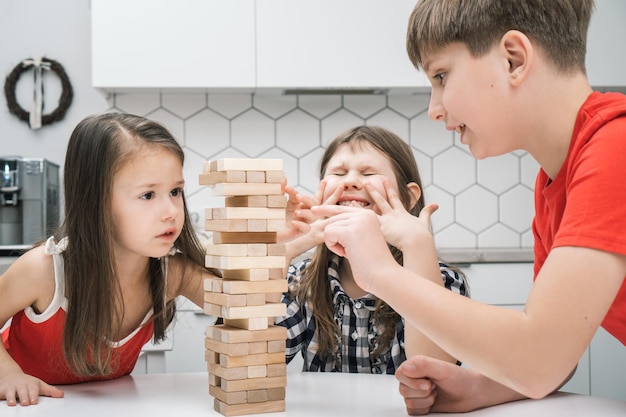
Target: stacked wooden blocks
246,355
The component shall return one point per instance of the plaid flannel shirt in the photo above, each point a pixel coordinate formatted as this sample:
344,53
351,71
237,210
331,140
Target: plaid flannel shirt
355,318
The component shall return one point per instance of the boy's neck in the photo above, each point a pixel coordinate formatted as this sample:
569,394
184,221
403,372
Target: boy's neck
553,112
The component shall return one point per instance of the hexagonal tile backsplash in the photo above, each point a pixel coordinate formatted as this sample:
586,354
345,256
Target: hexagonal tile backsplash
482,204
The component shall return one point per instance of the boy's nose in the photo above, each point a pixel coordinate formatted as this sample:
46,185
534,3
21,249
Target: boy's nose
436,111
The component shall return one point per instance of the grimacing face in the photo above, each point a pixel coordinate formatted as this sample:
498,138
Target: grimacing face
350,167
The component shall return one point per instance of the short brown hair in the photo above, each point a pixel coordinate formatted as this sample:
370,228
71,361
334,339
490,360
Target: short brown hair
558,27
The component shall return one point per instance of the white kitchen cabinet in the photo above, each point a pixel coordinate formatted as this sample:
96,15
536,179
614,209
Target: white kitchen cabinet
252,46
182,44
328,44
606,61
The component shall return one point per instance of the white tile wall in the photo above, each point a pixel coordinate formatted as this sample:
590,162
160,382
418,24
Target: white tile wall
483,204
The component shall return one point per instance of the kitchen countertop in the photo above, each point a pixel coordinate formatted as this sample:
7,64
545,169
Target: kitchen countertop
308,395
486,255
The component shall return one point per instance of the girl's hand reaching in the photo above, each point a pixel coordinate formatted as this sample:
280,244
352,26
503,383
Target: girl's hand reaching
17,385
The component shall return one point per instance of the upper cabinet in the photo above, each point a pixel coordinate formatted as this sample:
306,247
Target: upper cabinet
253,45
606,57
330,44
173,44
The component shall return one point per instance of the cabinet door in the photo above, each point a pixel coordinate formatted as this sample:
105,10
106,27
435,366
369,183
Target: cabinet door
172,44
328,44
606,61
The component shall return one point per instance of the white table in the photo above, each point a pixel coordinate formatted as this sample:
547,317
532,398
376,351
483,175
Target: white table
308,395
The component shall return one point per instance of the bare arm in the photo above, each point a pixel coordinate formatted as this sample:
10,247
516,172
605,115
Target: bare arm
28,282
406,232
530,351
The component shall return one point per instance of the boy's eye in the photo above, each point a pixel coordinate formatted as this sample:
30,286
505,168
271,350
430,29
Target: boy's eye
147,196
439,77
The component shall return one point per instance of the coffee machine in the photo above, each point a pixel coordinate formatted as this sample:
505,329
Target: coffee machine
29,201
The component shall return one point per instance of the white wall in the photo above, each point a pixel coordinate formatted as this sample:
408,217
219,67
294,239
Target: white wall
59,30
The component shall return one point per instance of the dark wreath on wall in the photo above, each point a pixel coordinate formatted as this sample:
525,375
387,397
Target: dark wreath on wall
35,118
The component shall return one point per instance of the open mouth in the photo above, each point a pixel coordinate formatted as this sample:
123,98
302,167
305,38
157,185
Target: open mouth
459,129
353,203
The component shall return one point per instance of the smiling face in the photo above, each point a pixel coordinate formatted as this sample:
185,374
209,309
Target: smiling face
147,202
351,166
471,96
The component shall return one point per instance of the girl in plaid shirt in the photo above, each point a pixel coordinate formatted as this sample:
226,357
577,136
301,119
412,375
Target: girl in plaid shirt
331,321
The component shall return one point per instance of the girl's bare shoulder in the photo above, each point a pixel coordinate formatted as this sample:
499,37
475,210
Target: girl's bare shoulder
30,279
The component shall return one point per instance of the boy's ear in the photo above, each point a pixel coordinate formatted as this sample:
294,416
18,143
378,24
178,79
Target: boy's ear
415,192
519,52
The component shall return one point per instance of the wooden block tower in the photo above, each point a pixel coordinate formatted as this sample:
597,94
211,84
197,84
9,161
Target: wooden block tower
246,354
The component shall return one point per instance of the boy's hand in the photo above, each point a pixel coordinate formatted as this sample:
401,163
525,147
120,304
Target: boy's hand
25,388
355,234
400,228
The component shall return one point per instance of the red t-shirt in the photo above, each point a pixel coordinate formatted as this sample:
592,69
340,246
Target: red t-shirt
585,205
35,341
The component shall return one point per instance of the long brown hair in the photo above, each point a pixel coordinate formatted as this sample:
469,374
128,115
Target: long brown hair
314,286
98,147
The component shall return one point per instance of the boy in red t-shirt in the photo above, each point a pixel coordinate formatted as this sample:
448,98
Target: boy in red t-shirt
509,75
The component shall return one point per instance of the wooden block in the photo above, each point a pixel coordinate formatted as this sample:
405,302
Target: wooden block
253,383
214,285
229,334
275,176
249,408
247,164
244,262
228,249
276,201
246,287
257,225
235,188
245,249
257,395
229,286
276,273
254,299
211,356
275,225
222,237
258,323
276,249
259,249
247,312
228,373
255,176
250,360
276,369
253,274
227,300
277,345
237,397
245,213
257,347
212,178
250,201
230,349
213,309
223,225
214,380
257,371
276,393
